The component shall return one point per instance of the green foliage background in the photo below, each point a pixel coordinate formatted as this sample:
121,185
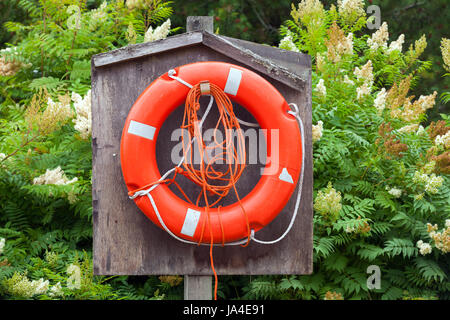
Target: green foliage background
46,230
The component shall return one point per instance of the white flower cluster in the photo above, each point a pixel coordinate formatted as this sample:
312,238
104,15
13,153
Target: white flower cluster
443,140
424,248
320,88
395,192
310,12
441,238
58,110
27,288
20,285
432,182
288,44
351,10
55,176
429,167
159,33
421,131
379,38
136,4
98,16
366,75
349,229
2,244
380,100
74,281
397,45
346,45
409,128
10,66
56,290
328,202
317,131
83,121
347,80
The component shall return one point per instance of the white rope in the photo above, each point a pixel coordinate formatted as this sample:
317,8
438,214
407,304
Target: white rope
146,192
296,114
173,72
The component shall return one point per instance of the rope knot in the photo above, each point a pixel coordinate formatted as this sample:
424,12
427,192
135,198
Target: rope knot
179,170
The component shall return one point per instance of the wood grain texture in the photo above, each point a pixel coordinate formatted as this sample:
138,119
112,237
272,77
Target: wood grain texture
125,241
140,50
264,59
197,287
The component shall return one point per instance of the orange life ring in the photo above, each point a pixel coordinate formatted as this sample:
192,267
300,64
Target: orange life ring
278,180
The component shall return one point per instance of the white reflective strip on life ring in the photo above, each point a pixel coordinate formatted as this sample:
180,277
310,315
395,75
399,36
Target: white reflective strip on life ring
141,129
190,222
285,176
233,81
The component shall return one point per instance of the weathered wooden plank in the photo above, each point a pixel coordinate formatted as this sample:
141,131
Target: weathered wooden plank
197,287
257,62
144,49
295,62
271,66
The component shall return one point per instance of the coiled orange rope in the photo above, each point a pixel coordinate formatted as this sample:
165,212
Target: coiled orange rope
213,182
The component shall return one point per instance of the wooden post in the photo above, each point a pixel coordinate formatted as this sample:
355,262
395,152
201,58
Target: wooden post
198,287
201,23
